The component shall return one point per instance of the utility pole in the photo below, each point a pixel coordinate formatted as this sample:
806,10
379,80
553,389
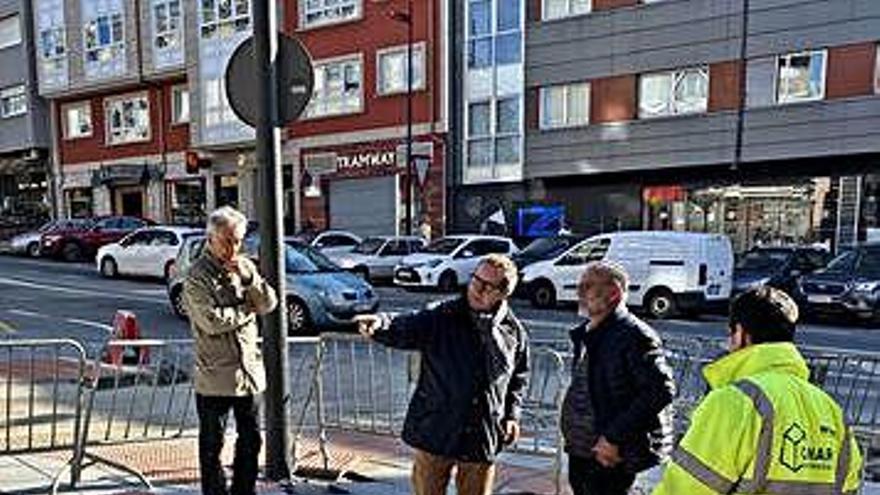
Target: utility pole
409,116
278,458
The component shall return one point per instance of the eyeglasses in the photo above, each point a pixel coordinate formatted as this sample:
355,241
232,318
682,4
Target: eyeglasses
485,286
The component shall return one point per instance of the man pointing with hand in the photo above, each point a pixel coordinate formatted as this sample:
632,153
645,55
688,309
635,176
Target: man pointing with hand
473,374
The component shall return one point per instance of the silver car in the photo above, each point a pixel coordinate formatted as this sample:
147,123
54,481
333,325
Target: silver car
376,257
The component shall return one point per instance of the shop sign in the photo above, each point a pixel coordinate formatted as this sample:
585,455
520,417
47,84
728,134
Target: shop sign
360,161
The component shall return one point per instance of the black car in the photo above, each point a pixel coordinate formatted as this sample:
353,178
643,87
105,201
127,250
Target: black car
778,267
544,248
849,286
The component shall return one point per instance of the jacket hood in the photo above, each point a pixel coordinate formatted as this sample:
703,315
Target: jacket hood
754,359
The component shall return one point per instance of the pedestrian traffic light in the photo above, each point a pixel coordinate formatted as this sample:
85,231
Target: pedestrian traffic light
194,162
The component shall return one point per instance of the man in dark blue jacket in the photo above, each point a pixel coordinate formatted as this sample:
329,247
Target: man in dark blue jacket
616,419
473,374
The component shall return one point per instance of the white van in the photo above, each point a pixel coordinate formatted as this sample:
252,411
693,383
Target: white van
669,271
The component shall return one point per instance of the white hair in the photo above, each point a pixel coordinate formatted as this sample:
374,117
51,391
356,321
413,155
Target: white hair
227,217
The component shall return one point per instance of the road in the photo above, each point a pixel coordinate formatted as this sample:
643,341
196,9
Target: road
48,299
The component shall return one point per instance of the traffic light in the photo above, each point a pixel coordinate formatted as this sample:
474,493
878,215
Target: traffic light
194,162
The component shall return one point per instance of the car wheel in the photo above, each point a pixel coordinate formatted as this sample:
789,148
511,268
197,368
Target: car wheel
298,320
33,250
448,282
177,301
543,294
109,268
660,304
71,252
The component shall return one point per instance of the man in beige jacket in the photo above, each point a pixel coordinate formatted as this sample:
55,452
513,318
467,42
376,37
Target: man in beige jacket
224,293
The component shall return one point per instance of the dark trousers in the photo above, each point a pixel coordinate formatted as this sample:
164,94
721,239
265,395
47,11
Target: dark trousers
588,477
213,413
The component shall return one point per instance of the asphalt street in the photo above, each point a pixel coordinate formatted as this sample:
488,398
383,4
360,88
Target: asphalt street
49,299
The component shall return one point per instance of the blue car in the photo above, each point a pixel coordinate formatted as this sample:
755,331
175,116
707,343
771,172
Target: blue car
321,296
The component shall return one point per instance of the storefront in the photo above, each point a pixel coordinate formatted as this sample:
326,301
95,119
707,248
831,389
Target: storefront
362,188
24,197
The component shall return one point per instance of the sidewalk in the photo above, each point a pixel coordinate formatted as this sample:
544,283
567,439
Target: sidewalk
374,465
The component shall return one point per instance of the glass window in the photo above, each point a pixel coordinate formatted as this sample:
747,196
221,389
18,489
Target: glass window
565,105
479,119
392,70
555,9
180,104
443,246
338,88
321,12
677,92
480,152
877,71
508,15
13,101
52,43
128,120
370,245
167,24
801,77
224,18
103,38
77,120
507,116
480,53
507,150
10,31
480,18
508,48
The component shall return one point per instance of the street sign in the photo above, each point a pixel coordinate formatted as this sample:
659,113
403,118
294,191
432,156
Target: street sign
295,80
422,164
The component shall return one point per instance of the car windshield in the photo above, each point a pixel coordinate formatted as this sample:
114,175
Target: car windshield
306,259
546,247
370,246
869,264
843,263
443,246
762,260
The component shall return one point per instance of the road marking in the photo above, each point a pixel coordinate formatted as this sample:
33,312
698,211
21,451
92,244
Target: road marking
80,292
93,324
31,314
6,327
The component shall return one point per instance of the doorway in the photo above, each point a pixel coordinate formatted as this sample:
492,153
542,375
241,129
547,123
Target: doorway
129,201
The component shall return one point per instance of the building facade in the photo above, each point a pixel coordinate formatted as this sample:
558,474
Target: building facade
632,118
24,132
349,147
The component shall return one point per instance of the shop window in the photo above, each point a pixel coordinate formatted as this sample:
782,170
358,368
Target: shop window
180,104
10,31
392,74
128,119
77,120
79,202
556,9
338,88
314,13
187,202
167,25
678,92
565,105
13,101
223,18
800,77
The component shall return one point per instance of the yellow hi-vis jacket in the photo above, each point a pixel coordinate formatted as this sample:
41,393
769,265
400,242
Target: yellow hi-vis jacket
764,429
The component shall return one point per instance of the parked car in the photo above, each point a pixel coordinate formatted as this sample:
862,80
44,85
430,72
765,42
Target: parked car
28,243
330,242
778,267
449,262
545,248
669,271
849,286
147,252
376,257
81,241
321,296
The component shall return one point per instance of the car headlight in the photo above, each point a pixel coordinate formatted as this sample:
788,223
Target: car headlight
867,286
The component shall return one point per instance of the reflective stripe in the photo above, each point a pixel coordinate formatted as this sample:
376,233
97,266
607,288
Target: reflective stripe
703,473
764,452
843,463
794,488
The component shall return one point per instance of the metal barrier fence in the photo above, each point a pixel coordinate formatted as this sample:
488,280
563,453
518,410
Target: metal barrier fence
41,392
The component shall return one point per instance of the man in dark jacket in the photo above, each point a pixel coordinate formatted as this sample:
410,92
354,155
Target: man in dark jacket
473,374
616,416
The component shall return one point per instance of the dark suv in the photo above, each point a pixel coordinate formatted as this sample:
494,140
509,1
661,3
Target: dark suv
778,267
850,285
81,241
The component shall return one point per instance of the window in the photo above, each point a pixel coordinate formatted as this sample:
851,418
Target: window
10,31
179,104
13,101
77,120
52,46
877,71
128,120
494,139
217,108
104,38
565,106
678,92
555,9
167,25
338,88
313,13
800,77
498,40
223,18
392,64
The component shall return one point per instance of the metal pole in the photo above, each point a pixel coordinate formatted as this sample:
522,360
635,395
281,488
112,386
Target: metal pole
741,108
278,459
409,82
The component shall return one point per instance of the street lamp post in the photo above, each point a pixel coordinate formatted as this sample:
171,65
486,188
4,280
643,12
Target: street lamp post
408,19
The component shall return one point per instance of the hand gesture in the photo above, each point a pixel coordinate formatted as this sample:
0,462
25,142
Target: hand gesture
368,324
